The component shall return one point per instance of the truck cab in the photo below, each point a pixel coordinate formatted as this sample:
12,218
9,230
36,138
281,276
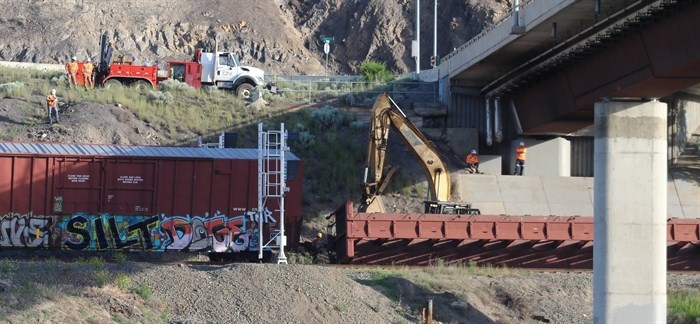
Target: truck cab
224,70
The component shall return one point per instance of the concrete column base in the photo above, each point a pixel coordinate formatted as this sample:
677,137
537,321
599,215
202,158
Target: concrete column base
629,255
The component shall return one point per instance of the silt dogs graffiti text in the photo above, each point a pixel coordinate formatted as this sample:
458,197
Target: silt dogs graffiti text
217,232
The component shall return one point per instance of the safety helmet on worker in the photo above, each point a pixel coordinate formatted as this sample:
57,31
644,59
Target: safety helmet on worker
53,91
88,59
74,58
522,143
319,235
473,152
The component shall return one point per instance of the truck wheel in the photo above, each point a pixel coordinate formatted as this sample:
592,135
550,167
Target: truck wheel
142,85
245,90
112,83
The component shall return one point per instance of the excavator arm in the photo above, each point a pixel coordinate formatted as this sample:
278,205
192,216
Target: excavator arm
387,115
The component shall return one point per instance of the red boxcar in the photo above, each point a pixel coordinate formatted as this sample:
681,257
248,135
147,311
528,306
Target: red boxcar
106,197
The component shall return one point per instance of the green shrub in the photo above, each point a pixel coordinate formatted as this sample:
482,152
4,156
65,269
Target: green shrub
120,257
175,86
327,117
13,90
142,290
375,71
8,267
159,97
102,277
304,139
122,281
96,262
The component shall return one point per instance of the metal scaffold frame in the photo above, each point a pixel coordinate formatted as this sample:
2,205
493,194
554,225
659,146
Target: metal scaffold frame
272,185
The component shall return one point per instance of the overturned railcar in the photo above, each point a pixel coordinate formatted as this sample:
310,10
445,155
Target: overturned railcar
107,197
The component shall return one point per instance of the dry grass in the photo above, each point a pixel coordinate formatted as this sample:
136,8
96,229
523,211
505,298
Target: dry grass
114,300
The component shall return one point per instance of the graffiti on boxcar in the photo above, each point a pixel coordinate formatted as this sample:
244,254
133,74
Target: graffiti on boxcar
103,232
25,230
217,232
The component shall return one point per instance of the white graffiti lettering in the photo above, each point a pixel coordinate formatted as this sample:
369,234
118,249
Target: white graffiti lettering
267,216
17,230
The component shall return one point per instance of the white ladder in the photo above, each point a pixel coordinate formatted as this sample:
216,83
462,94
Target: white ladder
272,177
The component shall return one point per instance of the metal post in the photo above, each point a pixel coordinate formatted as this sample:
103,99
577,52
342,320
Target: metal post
435,34
282,180
418,37
261,189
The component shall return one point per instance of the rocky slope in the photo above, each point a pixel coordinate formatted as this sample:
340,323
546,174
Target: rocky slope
282,37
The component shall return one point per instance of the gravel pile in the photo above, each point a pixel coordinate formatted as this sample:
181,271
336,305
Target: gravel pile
247,293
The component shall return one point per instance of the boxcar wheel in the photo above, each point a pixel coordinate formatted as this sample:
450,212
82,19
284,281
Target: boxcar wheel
214,257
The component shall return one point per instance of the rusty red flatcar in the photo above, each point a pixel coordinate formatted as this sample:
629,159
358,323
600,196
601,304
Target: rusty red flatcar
108,197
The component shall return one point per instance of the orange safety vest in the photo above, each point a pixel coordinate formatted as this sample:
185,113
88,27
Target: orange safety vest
87,68
72,67
520,153
472,158
51,100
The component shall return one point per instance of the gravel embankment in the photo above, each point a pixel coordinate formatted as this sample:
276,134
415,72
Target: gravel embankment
51,291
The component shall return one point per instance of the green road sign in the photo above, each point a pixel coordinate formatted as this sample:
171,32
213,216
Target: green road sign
327,39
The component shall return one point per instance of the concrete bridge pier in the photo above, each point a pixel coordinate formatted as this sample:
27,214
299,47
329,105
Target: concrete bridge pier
629,256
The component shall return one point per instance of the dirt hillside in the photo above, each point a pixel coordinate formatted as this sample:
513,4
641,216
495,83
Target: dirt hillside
282,37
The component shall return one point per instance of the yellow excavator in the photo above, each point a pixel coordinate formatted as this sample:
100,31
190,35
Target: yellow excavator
386,115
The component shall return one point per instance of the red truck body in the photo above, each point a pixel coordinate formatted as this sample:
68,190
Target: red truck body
127,74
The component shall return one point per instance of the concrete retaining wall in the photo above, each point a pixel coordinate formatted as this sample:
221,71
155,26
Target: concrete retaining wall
559,196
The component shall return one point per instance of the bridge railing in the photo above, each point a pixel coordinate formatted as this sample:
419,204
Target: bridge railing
488,29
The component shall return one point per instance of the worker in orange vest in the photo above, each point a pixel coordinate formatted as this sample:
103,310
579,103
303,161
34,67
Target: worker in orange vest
72,71
52,106
472,161
520,152
87,74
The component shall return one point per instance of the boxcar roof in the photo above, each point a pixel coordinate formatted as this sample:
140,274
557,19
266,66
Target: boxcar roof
131,150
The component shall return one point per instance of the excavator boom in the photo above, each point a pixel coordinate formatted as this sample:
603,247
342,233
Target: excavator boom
387,115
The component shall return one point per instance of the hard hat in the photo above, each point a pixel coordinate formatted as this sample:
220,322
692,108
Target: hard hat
53,91
88,59
473,151
319,235
522,143
73,58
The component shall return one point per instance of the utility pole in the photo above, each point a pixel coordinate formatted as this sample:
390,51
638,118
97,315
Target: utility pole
435,55
417,38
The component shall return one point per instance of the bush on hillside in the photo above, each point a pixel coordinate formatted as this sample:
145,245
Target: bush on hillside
174,85
375,71
159,97
327,117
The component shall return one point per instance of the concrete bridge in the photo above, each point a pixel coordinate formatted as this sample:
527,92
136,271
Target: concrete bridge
598,85
537,74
